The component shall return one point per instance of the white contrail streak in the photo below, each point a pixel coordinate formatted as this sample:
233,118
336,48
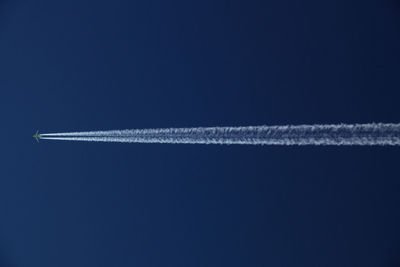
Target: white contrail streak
333,134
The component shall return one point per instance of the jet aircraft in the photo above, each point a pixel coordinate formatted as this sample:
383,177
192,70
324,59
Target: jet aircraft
37,136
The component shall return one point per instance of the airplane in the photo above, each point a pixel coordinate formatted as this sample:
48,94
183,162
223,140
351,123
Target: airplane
37,136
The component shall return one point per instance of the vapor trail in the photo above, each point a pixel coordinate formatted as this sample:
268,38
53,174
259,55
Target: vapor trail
333,134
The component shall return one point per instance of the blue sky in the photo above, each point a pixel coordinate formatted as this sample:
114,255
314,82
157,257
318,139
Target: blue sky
88,65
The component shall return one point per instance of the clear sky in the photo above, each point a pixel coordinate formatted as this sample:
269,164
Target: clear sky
88,65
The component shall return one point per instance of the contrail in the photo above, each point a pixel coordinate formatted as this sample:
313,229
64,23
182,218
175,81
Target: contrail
329,134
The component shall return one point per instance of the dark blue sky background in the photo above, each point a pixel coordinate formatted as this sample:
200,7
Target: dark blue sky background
87,65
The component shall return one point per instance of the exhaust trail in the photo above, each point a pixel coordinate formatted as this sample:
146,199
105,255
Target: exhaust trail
319,134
